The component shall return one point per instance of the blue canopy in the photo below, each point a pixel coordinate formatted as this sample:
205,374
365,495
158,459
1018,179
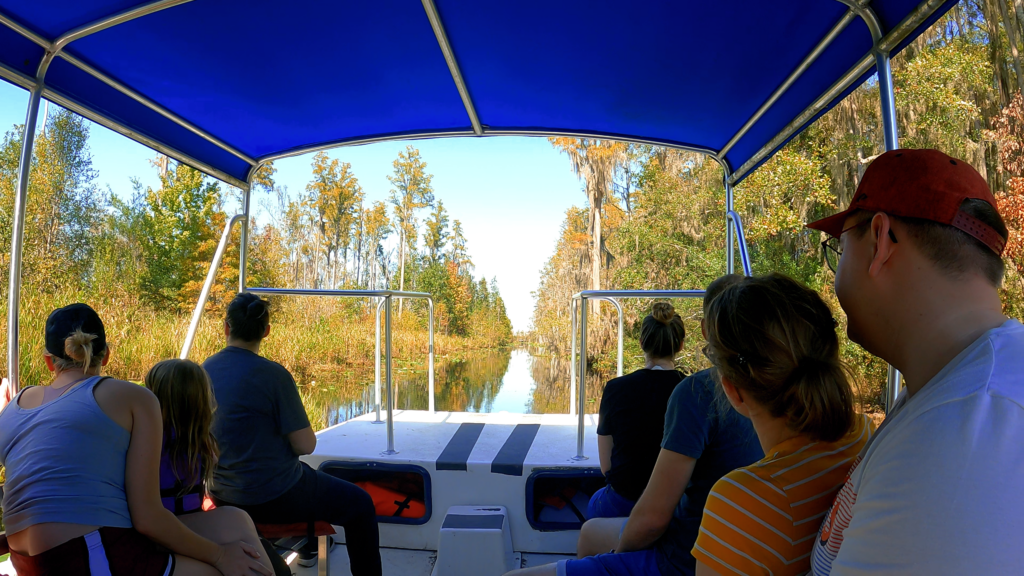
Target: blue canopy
226,84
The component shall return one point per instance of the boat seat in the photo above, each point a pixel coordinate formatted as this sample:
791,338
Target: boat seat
298,532
295,530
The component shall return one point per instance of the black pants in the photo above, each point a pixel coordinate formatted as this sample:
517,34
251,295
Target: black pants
320,496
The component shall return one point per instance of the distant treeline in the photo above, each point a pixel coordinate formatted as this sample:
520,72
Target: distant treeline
143,258
655,218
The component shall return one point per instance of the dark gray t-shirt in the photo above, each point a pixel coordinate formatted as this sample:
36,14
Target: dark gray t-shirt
258,405
699,426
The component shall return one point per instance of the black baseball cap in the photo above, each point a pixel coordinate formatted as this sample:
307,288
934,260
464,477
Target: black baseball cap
63,321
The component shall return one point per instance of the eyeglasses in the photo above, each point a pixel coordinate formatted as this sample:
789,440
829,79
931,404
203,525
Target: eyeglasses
833,250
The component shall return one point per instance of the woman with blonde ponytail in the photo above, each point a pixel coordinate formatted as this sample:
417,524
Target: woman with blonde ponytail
774,346
632,415
82,457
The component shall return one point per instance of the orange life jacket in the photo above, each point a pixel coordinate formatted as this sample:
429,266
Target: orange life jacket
390,502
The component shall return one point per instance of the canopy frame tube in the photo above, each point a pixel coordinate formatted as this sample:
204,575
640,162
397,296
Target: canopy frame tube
883,45
453,65
51,50
611,296
18,237
211,277
892,142
737,226
845,21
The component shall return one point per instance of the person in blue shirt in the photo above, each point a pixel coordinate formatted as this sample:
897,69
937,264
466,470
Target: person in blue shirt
261,429
704,439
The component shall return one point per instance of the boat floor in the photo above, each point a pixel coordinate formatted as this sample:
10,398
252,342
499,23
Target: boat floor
396,562
399,562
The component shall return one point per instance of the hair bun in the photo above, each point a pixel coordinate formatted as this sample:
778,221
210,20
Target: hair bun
663,312
256,309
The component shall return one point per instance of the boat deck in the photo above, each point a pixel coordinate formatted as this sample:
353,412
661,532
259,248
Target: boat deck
471,459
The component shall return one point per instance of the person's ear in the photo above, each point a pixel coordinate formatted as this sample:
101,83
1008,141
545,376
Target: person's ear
267,331
49,362
882,238
106,357
735,396
227,329
704,329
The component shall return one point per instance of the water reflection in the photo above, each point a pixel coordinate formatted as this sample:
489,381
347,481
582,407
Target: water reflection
491,381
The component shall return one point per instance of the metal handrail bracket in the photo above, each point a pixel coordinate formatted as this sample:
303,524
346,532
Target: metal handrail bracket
579,302
386,297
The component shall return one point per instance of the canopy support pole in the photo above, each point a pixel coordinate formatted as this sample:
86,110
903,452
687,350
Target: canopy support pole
741,240
18,230
730,257
582,398
888,97
211,277
243,237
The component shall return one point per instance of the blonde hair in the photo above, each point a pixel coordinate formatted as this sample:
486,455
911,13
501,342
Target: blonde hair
79,348
187,405
775,339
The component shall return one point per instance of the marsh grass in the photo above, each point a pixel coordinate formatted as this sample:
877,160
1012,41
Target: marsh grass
317,339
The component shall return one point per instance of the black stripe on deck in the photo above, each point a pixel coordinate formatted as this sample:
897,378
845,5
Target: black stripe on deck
510,458
473,522
456,453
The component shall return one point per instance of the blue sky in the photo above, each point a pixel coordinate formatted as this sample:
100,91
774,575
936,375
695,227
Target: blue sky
510,193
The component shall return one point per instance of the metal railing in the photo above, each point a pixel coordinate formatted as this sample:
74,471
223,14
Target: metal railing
580,401
386,296
430,356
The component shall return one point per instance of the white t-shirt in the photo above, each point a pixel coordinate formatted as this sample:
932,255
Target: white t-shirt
939,489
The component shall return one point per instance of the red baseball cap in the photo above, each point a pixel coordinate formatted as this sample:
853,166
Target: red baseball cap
924,184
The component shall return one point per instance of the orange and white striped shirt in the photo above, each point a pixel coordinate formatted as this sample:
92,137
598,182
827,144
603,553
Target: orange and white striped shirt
762,519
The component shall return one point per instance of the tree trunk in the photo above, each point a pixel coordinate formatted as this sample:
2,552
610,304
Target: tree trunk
1019,9
1011,35
401,277
595,223
995,51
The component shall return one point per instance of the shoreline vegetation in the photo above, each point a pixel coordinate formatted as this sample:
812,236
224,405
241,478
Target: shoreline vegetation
654,218
141,260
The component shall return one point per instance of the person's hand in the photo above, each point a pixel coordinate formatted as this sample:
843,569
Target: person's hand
240,559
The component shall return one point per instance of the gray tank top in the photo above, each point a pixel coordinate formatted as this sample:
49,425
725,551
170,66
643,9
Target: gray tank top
65,462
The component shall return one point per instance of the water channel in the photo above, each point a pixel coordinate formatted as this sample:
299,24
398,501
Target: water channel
507,380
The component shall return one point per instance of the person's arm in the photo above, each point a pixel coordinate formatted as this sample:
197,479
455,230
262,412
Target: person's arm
142,488
604,451
291,418
303,441
653,512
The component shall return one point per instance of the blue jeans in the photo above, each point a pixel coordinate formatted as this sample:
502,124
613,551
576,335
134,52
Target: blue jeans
642,563
607,503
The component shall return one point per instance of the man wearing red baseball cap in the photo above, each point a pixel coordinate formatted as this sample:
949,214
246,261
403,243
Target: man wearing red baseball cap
937,490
